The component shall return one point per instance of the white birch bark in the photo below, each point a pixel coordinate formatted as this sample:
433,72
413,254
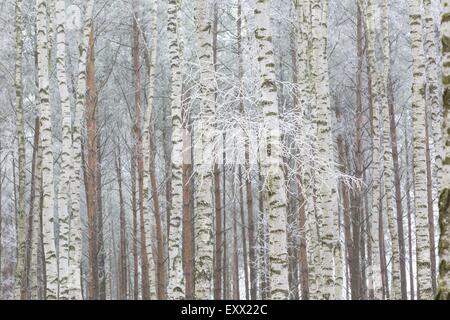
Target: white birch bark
374,270
307,100
146,143
20,265
47,157
74,277
433,89
420,177
175,289
35,281
272,161
388,169
444,199
321,116
203,267
63,185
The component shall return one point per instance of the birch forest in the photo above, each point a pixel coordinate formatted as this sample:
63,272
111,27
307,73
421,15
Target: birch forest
224,149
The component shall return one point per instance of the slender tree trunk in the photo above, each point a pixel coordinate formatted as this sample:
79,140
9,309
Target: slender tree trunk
176,287
204,246
188,231
388,170
398,194
135,228
47,158
424,289
91,172
236,282
142,205
63,186
20,127
123,235
374,270
150,60
99,223
33,216
217,195
74,277
444,197
271,157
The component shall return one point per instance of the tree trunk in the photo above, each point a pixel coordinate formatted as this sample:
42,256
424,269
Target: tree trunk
47,153
424,289
91,172
444,197
123,235
271,155
398,193
176,288
204,246
20,127
74,277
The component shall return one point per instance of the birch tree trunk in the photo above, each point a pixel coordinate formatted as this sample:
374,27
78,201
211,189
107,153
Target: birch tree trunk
63,185
274,184
151,65
444,198
433,106
327,190
424,290
74,276
433,89
35,279
20,265
47,153
388,160
175,288
374,270
204,131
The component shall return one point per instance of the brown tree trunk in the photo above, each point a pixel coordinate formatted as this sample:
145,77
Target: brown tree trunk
91,172
236,289
225,274
217,195
188,231
123,236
